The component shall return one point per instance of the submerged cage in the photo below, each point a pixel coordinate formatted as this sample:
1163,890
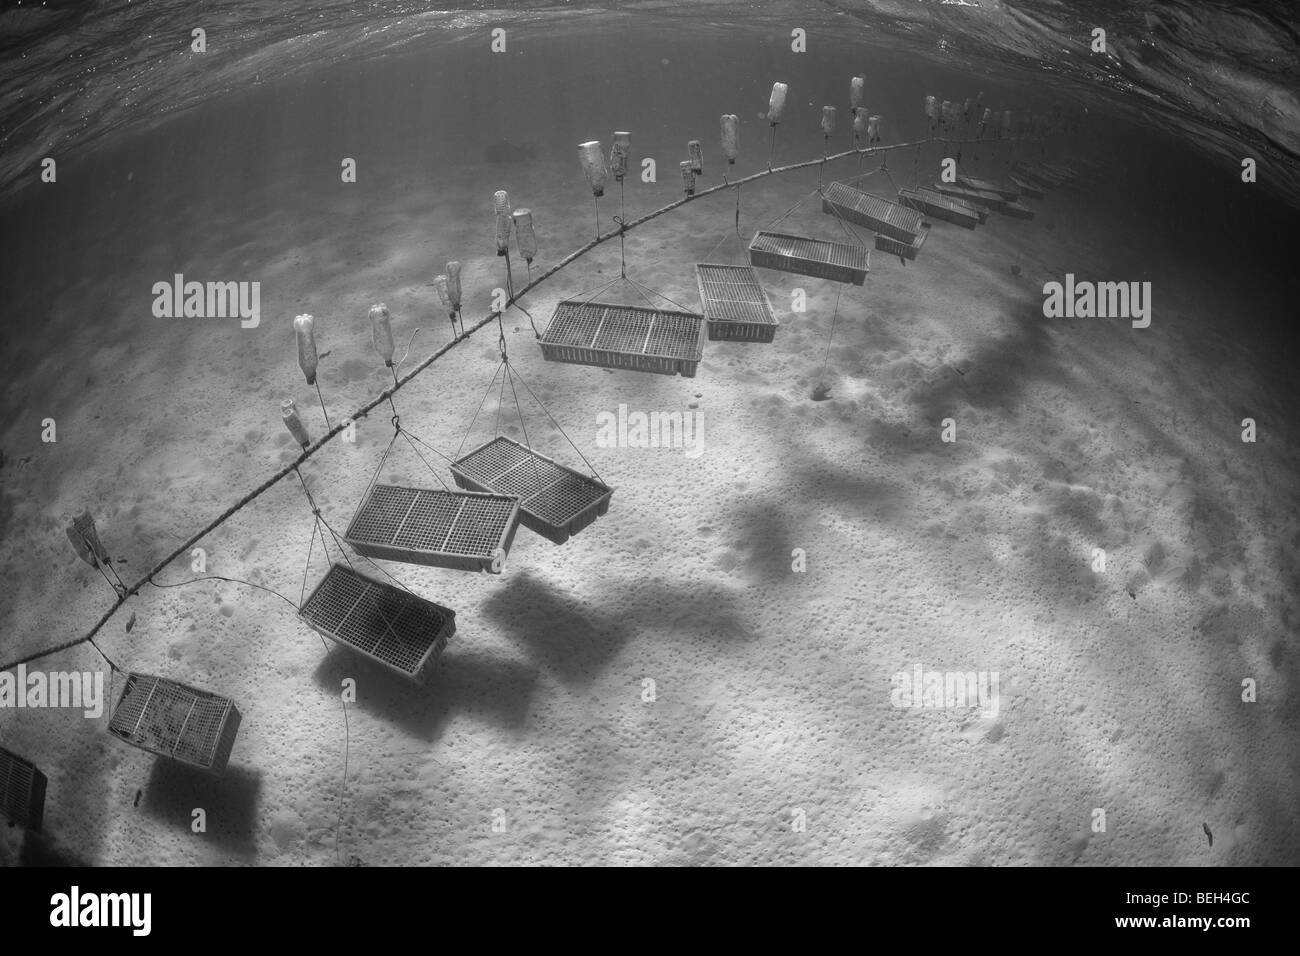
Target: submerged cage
938,206
1048,174
988,186
801,255
975,197
554,501
735,306
896,247
463,530
879,215
175,720
386,624
1016,210
22,791
383,623
664,341
1027,188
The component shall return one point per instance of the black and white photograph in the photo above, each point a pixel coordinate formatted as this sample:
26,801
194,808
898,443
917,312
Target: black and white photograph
664,433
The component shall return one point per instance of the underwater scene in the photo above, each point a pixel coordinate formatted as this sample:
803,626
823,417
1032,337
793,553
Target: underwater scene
653,433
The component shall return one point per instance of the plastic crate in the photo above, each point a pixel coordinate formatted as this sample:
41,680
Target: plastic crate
837,261
879,215
938,206
663,341
22,791
736,308
462,530
174,720
1029,190
383,623
988,186
1035,172
976,197
1016,210
554,501
908,250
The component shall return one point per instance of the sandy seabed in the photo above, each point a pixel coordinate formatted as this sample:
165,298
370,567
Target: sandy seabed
1118,690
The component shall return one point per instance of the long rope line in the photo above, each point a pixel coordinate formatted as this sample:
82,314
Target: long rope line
401,382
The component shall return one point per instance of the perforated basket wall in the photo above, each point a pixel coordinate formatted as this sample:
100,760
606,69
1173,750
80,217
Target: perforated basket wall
736,307
988,186
664,341
837,261
22,791
908,250
174,720
554,501
879,215
463,530
391,627
975,197
938,206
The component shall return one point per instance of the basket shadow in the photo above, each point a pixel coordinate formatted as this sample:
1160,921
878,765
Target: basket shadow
464,681
230,802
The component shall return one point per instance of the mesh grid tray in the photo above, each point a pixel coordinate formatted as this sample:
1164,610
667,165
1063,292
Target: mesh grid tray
879,215
735,306
1016,210
462,530
174,720
938,206
1028,189
554,501
801,255
907,250
391,627
988,186
22,791
976,197
664,341
1040,174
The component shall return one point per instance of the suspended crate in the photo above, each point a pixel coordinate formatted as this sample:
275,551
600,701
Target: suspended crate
988,186
975,197
938,206
879,215
22,791
837,261
1028,189
1017,210
1034,172
462,530
663,341
896,247
735,306
554,501
1062,171
386,624
174,720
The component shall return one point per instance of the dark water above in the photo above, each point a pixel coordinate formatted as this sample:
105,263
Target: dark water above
1222,76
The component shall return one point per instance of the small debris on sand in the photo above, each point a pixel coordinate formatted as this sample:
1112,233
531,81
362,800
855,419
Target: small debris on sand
821,392
1015,270
1208,835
